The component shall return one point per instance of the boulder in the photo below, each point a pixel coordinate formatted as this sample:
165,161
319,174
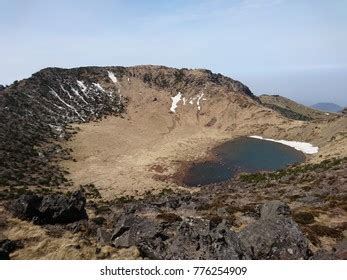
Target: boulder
190,238
103,236
8,246
130,229
50,209
194,239
275,235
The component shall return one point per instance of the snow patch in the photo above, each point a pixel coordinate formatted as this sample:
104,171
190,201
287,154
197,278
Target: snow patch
75,91
98,86
198,101
81,85
64,90
175,100
67,105
304,147
112,77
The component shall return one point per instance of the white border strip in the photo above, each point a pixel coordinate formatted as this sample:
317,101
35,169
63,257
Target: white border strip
194,269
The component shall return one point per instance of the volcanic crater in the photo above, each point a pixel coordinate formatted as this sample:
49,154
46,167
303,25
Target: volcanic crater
132,132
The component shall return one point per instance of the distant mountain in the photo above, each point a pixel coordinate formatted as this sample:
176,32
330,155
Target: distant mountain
290,108
327,107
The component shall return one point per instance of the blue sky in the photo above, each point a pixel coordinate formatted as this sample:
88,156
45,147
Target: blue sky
295,48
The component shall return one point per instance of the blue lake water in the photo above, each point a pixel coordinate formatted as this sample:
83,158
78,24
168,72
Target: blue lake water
241,155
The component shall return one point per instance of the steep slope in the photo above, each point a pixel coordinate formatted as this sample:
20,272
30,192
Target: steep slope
35,114
290,108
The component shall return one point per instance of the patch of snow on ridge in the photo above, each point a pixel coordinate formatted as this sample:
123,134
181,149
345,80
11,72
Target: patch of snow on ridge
304,147
112,77
198,101
64,90
66,104
184,100
75,91
175,100
81,85
98,86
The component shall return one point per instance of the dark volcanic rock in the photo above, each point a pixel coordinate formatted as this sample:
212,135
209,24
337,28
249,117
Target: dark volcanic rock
50,209
8,246
275,235
130,229
195,239
4,255
103,236
188,239
169,236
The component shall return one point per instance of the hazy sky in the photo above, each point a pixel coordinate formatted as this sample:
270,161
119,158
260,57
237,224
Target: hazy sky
296,48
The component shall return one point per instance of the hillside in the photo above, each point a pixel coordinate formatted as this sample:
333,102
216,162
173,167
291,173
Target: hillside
290,108
91,159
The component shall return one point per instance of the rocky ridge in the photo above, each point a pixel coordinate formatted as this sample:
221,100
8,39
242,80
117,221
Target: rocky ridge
291,109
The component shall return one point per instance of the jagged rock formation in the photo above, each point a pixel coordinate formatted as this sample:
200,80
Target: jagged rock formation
50,209
275,235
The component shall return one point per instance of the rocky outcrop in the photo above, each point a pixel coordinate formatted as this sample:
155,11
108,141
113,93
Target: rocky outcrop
195,239
50,209
275,235
168,236
8,246
188,239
